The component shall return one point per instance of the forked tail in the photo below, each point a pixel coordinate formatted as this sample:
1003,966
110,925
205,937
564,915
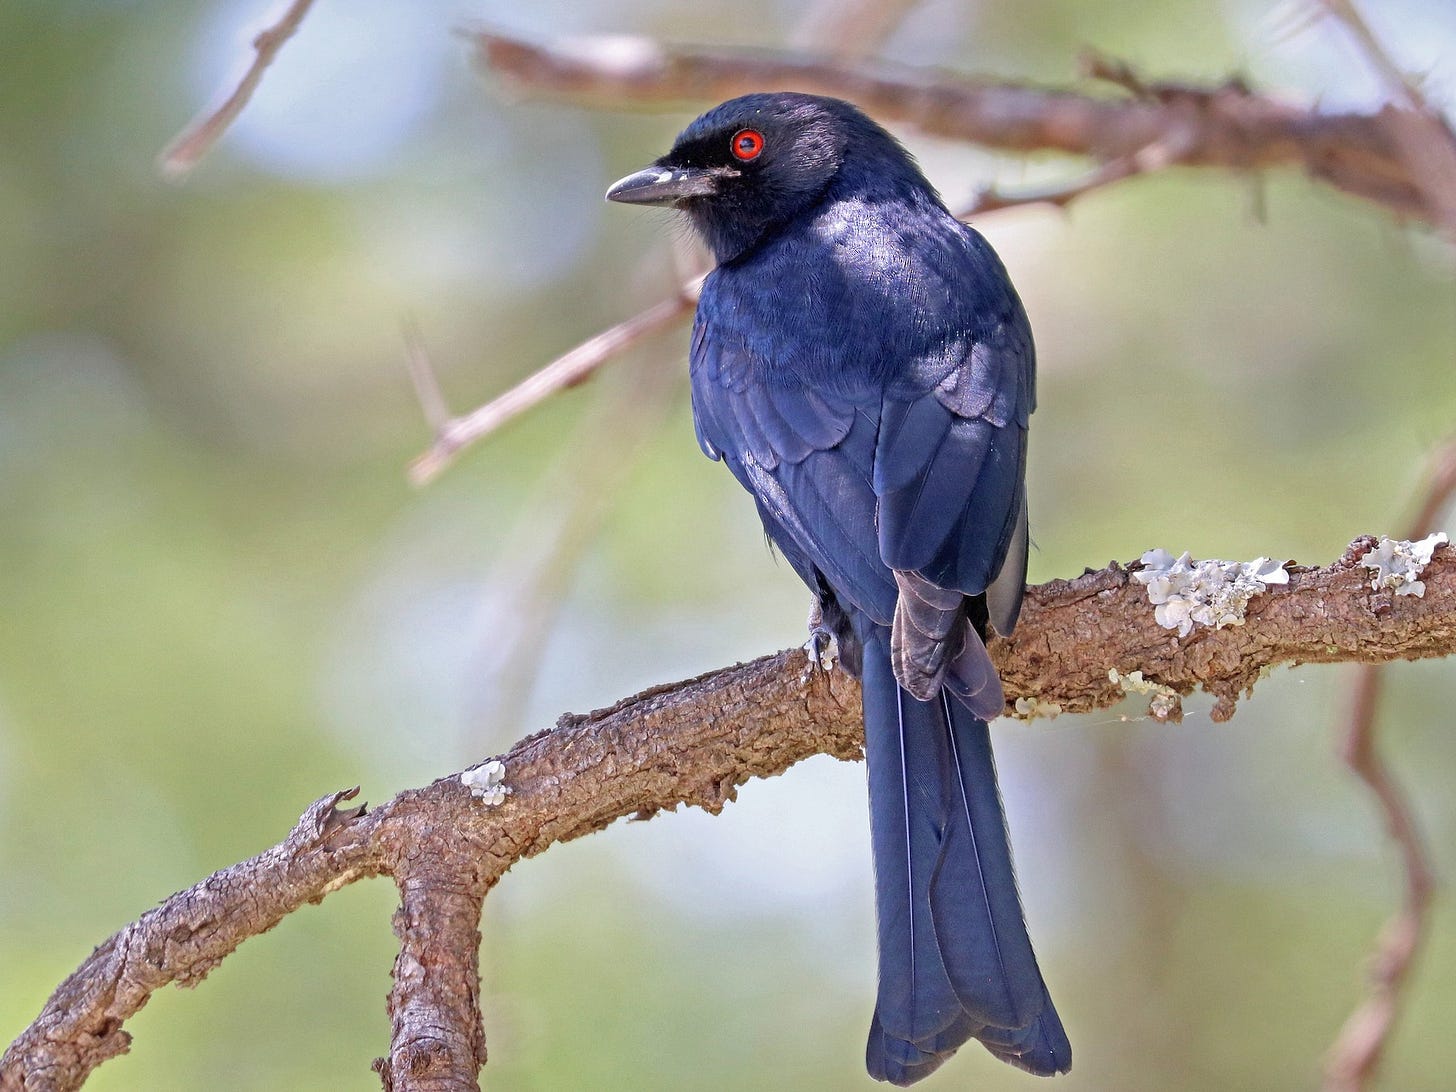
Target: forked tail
955,959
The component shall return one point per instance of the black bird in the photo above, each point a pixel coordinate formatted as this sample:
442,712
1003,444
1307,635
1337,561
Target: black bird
862,364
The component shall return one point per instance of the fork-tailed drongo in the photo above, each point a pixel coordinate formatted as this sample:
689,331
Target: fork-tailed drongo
862,364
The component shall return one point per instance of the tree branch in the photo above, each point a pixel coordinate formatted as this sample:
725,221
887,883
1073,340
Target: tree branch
181,941
438,1037
690,743
1228,126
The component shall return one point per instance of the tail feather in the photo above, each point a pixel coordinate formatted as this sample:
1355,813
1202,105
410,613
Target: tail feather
908,820
975,906
955,959
900,1063
1043,1049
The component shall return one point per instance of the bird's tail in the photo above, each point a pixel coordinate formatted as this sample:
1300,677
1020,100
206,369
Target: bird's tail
955,959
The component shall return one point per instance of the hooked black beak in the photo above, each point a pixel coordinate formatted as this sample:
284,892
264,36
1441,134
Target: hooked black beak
665,185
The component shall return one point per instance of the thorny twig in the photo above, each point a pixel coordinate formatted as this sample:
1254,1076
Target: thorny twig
422,376
195,141
1355,1054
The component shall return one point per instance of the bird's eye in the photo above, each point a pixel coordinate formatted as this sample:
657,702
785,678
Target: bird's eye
747,144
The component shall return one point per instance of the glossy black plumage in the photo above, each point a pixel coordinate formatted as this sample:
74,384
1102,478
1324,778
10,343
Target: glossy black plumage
862,365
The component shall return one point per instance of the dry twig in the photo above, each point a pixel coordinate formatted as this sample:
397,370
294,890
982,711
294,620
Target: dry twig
1155,157
195,141
565,371
692,743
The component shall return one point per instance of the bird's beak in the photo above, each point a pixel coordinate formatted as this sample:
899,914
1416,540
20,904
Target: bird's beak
664,185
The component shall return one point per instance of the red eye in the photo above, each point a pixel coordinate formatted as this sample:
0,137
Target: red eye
747,143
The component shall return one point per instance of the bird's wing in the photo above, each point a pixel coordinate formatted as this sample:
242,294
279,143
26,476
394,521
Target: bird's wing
950,462
949,473
807,455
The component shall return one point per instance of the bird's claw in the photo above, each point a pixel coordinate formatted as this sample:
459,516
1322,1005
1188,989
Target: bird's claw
822,648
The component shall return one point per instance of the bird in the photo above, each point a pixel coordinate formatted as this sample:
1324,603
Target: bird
863,366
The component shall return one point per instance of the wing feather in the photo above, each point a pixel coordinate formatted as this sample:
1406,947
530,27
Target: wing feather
950,462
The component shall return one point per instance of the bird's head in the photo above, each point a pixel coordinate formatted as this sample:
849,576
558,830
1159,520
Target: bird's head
754,163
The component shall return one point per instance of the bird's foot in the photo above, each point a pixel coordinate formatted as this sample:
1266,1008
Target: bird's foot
822,648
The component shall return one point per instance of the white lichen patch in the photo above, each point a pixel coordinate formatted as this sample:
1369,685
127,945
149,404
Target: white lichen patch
487,782
1164,702
1398,563
1031,708
1187,593
1164,706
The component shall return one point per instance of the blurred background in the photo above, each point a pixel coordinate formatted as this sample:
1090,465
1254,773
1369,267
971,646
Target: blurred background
220,599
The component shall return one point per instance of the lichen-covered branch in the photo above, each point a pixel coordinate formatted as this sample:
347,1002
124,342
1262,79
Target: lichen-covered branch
691,743
1228,126
1323,615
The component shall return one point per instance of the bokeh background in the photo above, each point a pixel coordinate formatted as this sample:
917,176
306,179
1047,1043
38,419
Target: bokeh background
220,599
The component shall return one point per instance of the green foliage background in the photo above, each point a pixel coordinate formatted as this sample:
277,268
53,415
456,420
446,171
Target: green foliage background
219,599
